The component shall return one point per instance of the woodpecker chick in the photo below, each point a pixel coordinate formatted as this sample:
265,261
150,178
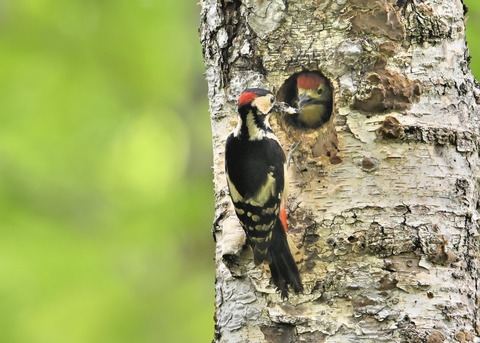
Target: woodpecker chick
314,100
255,166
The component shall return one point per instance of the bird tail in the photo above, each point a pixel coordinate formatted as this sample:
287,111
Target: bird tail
282,264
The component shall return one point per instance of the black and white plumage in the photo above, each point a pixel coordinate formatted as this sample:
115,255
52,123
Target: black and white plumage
255,166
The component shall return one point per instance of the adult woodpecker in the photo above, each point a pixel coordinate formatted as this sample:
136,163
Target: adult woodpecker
255,167
314,100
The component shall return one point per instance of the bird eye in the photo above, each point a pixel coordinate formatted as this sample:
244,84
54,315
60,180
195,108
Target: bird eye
320,91
272,100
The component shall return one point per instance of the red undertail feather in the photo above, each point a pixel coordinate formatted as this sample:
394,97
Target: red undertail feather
283,218
309,81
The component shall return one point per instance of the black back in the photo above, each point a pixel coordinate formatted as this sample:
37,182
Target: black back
249,162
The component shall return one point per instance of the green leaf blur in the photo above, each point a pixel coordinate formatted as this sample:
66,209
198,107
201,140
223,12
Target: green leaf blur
473,31
106,199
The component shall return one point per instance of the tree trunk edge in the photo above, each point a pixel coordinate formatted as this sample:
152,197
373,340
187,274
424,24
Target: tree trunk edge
438,120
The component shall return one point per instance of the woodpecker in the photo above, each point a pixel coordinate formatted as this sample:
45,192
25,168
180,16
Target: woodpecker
255,166
314,100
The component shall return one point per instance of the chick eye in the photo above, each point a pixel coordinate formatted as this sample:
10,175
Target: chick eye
320,91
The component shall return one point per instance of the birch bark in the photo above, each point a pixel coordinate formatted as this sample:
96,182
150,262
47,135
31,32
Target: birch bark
384,198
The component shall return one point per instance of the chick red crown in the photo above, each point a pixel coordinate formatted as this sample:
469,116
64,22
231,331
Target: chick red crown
309,80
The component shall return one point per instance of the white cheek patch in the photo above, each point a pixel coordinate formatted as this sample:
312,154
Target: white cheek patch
264,103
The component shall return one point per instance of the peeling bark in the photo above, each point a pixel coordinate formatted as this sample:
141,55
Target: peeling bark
383,198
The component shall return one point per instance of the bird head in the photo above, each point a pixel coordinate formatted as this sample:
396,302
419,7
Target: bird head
262,102
312,88
258,100
254,107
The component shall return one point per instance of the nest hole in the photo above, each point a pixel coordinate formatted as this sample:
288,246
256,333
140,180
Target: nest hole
311,92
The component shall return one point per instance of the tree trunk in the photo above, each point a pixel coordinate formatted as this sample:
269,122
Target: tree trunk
383,199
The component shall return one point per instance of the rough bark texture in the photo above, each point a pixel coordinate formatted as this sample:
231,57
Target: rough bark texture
384,198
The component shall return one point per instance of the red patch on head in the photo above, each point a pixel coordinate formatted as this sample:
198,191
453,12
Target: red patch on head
309,81
246,98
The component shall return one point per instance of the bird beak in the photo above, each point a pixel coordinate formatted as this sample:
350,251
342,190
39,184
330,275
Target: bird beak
282,107
304,100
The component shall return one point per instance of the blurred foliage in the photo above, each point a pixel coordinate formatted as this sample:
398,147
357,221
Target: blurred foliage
473,31
106,197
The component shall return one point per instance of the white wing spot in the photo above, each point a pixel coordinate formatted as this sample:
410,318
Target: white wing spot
269,210
264,227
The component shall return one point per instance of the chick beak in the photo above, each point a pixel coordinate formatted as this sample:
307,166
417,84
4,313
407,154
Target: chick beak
304,100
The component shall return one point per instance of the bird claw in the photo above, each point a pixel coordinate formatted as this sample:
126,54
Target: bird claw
291,151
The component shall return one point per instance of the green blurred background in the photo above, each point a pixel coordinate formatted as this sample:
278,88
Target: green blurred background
106,198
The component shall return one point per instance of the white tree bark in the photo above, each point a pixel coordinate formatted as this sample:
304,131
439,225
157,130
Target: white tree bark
384,198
